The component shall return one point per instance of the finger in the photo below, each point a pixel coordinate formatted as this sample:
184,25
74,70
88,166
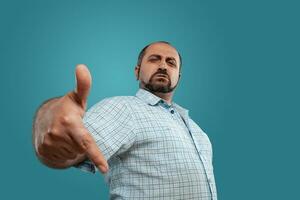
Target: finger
66,153
73,144
68,149
89,146
50,154
52,159
67,142
83,83
58,157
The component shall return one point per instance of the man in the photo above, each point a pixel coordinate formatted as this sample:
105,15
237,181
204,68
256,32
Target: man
147,145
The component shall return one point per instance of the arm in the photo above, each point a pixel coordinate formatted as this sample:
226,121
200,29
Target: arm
59,137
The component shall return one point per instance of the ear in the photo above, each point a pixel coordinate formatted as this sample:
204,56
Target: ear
137,72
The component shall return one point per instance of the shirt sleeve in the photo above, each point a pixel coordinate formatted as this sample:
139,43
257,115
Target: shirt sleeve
111,125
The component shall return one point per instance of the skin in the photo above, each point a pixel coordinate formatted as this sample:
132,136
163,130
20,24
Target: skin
159,56
59,136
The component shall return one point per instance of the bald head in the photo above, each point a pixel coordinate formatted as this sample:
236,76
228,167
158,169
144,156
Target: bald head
144,50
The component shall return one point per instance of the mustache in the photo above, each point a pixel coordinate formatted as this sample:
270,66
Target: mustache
161,72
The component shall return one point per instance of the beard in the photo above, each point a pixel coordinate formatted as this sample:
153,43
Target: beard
160,84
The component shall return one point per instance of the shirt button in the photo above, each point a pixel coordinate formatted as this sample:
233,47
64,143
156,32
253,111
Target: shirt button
172,111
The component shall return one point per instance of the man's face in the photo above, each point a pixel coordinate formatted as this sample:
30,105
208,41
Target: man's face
159,70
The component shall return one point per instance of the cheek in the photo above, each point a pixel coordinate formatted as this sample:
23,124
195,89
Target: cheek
146,74
175,78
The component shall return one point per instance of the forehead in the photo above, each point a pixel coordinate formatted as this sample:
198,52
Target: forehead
163,50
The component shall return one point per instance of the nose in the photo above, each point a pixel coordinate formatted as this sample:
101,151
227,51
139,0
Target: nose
162,69
162,65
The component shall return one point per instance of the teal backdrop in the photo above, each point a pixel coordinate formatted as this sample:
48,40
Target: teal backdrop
240,82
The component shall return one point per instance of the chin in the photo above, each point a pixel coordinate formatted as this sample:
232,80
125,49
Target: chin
160,85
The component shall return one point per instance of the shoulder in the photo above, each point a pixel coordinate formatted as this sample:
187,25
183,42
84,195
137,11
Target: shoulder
113,104
110,109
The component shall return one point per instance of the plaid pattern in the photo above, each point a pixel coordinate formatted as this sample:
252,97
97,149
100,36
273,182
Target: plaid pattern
154,150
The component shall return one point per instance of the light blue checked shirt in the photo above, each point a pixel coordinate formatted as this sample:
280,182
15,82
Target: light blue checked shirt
154,150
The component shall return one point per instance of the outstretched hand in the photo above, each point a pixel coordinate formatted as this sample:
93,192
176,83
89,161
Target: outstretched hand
65,140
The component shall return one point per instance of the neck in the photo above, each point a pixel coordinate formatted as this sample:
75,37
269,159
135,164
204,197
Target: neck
165,96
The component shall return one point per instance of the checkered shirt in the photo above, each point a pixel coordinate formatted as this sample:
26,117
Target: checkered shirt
154,150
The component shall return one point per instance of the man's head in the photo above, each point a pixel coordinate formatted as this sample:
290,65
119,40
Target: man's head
158,67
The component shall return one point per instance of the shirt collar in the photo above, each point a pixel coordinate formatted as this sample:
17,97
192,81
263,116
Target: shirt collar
148,97
153,100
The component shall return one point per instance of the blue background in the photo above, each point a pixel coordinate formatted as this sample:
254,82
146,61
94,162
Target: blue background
240,82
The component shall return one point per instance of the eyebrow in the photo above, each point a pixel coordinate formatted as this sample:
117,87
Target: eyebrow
158,56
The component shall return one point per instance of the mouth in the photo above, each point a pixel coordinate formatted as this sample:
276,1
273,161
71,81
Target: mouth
162,75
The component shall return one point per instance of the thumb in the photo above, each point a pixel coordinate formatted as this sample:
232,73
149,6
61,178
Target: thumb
83,83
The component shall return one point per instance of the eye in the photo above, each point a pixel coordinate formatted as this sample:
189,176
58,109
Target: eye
153,59
171,62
